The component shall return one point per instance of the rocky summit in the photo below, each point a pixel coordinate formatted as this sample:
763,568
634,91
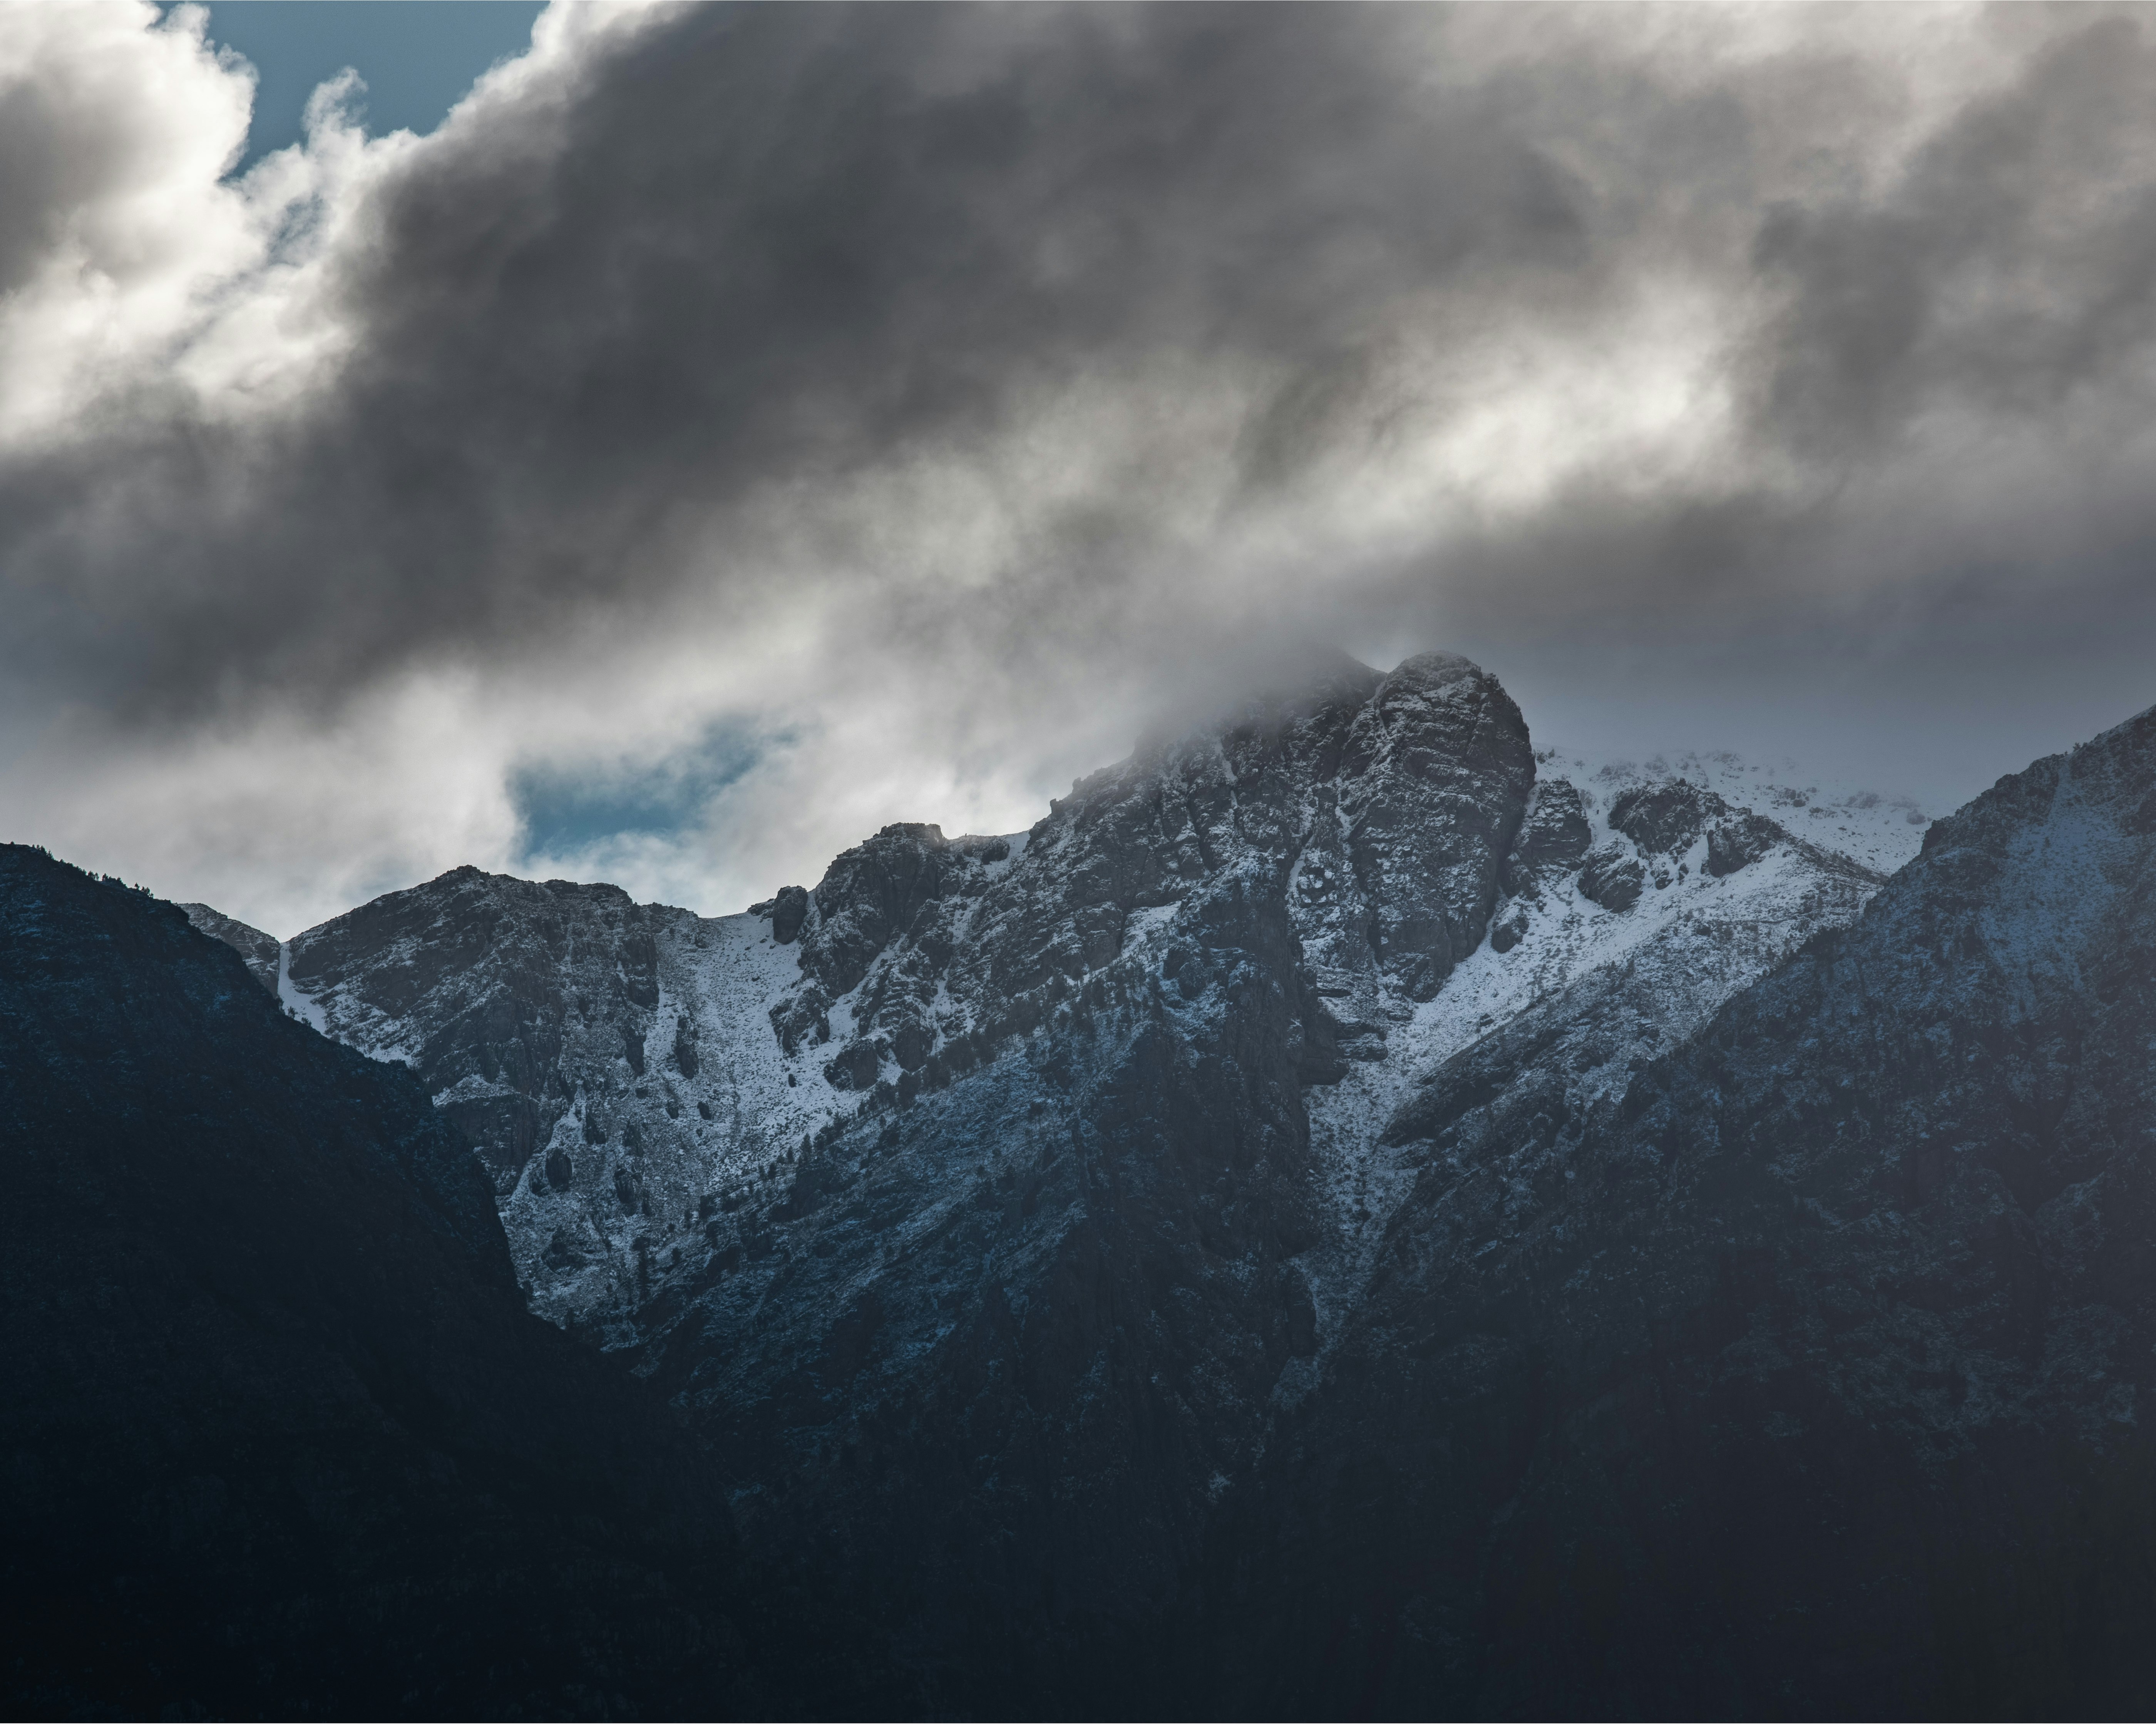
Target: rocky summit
1049,1232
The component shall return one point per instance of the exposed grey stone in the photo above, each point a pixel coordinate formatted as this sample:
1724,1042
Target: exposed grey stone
1507,933
1553,838
788,912
1740,839
854,1067
1613,878
260,950
1664,820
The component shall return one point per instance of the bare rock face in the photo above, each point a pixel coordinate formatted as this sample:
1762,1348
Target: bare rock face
1434,778
1613,878
1664,820
789,911
1553,841
1739,840
871,895
261,952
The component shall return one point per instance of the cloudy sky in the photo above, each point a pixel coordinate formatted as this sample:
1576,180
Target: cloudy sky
731,429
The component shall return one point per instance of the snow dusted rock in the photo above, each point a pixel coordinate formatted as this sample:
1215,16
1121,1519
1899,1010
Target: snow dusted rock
1543,1030
1716,897
1552,840
1612,878
788,912
1376,810
612,1062
260,950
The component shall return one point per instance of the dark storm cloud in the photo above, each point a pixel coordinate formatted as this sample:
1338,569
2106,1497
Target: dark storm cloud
1945,469
733,303
2011,265
779,245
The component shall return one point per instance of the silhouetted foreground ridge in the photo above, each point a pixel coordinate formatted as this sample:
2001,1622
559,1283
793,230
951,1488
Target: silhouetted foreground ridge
279,1436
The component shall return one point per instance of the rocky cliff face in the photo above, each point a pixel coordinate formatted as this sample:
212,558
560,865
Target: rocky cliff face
261,953
1813,1364
996,1201
612,1063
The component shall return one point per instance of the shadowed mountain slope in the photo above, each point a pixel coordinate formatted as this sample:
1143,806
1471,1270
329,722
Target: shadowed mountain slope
279,1436
1811,1377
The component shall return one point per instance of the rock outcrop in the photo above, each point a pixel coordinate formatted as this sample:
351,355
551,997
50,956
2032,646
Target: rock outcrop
261,952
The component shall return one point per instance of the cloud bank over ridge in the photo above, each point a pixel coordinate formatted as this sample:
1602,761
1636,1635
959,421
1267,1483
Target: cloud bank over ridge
831,416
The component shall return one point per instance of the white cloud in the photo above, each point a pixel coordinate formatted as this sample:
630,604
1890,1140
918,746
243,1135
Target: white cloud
938,397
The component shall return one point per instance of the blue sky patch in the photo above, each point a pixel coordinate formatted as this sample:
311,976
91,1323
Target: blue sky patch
563,810
419,57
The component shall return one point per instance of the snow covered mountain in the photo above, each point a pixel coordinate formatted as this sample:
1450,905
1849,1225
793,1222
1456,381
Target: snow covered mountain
628,1072
1081,1143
